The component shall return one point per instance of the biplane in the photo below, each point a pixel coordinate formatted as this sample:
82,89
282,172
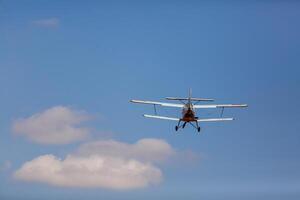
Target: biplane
188,114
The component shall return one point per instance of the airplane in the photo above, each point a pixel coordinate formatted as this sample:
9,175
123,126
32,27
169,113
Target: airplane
188,106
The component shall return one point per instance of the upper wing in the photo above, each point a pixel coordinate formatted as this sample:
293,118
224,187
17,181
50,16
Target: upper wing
215,119
158,103
221,106
162,117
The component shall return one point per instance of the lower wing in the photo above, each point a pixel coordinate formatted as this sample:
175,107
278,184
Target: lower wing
215,119
199,120
162,117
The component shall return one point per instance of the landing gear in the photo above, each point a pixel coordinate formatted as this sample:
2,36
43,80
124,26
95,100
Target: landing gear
178,126
198,127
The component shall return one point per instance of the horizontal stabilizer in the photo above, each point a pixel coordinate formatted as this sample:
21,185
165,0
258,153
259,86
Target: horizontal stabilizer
215,119
192,99
162,117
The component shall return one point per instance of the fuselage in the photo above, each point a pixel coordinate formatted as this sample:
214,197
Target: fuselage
188,113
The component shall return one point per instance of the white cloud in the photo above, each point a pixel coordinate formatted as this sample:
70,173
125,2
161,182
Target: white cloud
57,125
101,164
47,23
152,150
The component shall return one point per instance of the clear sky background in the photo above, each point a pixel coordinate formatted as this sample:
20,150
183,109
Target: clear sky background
97,55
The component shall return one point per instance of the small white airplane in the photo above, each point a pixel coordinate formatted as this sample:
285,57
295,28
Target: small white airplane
188,110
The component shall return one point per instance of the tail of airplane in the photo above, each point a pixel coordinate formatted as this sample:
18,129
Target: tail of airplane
189,98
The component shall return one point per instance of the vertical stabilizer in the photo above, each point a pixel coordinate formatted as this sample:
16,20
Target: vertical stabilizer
190,95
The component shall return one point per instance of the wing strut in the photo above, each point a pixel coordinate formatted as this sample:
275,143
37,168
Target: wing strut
155,112
222,112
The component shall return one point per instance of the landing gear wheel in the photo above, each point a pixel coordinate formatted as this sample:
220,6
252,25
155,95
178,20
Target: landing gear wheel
183,125
176,128
198,129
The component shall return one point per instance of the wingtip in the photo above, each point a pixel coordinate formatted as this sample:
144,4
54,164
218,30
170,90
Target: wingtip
132,101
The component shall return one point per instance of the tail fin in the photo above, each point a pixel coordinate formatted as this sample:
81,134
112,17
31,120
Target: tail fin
189,99
190,95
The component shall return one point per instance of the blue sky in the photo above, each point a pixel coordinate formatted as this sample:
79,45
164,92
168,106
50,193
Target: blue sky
95,56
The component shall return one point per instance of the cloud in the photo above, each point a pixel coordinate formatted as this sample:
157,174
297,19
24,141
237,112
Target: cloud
57,125
47,23
101,164
152,150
